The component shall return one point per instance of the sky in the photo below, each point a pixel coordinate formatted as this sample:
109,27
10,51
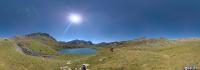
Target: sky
103,20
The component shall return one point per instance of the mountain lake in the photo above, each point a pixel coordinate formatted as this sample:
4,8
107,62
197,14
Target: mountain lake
78,51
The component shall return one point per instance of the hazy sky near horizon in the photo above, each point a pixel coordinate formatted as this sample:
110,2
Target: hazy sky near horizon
104,20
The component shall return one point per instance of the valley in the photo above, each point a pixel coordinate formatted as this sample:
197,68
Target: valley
41,52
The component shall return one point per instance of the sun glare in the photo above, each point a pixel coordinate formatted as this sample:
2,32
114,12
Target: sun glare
75,18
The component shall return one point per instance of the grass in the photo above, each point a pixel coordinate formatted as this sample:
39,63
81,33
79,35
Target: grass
173,57
40,47
13,60
125,57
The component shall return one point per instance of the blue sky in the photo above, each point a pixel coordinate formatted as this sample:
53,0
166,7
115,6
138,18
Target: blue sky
104,20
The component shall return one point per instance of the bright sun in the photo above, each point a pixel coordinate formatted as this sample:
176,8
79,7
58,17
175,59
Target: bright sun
75,18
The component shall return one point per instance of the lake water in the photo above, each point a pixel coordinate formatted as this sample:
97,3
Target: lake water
81,51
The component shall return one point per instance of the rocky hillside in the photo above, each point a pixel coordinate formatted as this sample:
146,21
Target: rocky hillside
43,37
37,44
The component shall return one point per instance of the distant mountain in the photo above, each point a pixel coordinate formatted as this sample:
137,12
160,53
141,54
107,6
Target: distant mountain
40,35
80,42
104,44
76,44
140,42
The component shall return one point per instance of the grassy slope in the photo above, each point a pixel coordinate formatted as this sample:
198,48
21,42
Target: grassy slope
125,57
13,60
37,45
146,58
42,48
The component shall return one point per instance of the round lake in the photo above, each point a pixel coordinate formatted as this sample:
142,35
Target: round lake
81,51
